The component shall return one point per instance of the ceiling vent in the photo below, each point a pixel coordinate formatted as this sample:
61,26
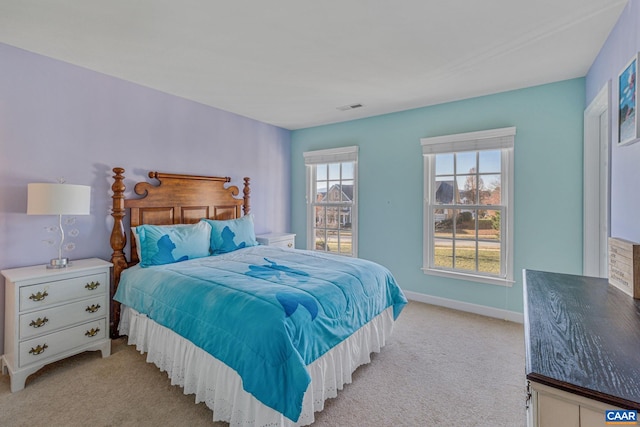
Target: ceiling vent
350,107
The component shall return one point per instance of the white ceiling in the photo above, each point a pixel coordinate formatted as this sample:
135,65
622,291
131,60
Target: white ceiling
291,63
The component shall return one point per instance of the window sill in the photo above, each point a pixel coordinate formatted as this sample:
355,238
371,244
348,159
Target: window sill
469,277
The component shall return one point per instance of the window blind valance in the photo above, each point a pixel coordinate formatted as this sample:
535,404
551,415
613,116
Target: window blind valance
495,139
331,155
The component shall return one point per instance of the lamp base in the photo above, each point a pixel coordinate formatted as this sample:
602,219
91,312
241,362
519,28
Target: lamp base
59,263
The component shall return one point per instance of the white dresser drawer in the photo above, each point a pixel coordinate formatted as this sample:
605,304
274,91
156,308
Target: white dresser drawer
49,293
280,240
38,349
283,244
44,321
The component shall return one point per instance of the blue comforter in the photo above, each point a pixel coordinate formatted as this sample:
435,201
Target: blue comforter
266,312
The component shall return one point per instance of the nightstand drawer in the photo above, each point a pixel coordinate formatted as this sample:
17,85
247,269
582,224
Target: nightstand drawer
280,240
48,293
289,243
47,346
43,321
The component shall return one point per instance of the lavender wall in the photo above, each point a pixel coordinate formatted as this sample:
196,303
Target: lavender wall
57,119
622,44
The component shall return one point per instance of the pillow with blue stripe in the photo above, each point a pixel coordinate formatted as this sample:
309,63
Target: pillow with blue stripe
232,234
166,244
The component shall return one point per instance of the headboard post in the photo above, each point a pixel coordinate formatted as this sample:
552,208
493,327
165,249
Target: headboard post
246,206
118,241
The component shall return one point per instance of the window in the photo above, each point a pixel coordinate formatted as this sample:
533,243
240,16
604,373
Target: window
468,194
332,200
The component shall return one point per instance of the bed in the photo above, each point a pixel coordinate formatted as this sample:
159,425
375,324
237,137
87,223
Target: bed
263,335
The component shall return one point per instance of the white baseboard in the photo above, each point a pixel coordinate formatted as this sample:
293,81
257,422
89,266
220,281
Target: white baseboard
498,313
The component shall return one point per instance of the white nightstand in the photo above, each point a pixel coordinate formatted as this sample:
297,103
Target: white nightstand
51,314
282,240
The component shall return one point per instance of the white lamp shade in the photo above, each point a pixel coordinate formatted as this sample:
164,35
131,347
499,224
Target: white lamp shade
58,199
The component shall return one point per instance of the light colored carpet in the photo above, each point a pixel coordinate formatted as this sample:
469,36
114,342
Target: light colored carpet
440,368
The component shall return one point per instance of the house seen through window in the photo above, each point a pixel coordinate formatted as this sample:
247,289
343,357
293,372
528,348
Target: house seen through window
468,205
467,211
332,200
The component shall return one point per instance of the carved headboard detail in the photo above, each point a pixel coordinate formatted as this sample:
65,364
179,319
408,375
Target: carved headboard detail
176,199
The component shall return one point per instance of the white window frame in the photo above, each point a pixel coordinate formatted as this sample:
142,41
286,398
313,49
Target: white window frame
331,155
495,139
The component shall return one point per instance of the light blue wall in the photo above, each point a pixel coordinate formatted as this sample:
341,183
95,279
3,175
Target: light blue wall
622,44
548,184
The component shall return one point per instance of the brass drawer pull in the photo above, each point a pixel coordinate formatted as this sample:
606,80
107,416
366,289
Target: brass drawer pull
92,332
38,323
38,350
39,296
289,244
92,308
92,286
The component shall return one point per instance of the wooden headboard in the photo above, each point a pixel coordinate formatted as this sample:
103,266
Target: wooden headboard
176,199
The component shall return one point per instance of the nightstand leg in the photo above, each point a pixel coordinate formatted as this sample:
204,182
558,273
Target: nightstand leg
106,349
17,382
19,378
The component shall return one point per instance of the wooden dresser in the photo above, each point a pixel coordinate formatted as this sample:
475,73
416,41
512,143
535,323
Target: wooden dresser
582,342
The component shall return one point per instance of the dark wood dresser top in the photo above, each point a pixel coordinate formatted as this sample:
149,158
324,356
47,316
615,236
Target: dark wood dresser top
582,335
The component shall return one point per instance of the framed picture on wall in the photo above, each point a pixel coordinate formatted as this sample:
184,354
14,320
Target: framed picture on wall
628,126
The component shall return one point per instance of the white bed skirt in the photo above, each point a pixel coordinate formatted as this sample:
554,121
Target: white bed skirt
220,387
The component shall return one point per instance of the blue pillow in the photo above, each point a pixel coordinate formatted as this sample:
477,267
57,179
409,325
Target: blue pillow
232,234
166,244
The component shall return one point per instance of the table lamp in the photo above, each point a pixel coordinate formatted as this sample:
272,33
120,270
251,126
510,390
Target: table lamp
58,199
